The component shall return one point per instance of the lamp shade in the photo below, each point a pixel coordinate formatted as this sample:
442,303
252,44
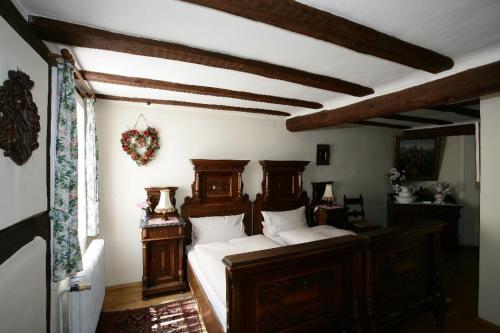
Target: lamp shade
164,204
328,194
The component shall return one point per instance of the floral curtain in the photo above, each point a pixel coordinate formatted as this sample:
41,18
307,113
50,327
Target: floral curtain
64,210
91,171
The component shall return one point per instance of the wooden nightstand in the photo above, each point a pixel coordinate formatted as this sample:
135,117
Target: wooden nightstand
334,215
163,258
163,268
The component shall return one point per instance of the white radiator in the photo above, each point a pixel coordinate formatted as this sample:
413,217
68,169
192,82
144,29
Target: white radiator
85,306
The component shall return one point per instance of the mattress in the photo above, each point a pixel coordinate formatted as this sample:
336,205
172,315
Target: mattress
219,307
206,262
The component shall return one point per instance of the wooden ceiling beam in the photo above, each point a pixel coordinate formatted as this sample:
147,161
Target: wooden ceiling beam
193,105
300,18
471,83
457,110
194,89
378,124
17,21
415,119
456,130
83,36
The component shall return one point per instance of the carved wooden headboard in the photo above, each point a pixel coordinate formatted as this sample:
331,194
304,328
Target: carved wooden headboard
217,191
281,189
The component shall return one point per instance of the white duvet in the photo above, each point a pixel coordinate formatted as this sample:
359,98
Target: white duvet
210,257
304,235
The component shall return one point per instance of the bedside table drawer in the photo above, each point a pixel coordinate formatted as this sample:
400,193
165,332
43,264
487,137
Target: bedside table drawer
160,232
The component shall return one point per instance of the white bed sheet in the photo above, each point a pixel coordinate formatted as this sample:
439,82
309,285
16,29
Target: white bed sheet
206,261
219,307
305,235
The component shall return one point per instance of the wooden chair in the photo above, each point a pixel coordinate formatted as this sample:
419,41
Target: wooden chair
356,217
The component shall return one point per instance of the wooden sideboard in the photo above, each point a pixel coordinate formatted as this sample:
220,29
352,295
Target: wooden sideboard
449,212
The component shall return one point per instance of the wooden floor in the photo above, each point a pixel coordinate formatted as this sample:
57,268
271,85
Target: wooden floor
130,297
460,277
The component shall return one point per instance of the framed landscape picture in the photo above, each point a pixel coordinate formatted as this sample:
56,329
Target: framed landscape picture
419,157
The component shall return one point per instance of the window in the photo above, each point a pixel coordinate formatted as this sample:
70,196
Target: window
88,197
82,195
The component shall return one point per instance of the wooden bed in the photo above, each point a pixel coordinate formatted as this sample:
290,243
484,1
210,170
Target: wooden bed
356,283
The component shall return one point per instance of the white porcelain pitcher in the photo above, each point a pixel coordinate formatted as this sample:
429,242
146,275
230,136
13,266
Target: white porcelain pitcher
442,187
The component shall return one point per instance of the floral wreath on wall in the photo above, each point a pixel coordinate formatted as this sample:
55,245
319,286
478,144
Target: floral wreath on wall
141,145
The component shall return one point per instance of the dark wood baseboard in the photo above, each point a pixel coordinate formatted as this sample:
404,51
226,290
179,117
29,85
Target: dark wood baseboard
124,285
21,233
488,324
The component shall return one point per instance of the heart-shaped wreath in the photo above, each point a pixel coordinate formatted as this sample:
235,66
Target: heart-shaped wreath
147,141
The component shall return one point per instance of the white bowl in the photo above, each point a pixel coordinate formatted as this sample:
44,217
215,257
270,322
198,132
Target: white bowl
406,200
405,194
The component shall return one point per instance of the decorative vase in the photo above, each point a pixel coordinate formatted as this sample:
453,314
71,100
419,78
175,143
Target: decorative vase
442,187
439,196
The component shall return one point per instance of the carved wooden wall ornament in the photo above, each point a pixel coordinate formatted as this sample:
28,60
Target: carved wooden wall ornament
19,119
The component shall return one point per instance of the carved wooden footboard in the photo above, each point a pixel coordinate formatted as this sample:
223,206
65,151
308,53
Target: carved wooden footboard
402,274
363,283
312,287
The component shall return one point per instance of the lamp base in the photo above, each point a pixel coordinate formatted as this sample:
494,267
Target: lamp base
329,203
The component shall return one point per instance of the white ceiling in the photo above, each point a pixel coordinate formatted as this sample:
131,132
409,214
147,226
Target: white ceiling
468,31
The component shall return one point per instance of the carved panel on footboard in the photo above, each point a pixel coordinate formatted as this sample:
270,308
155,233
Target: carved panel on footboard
402,273
287,302
293,289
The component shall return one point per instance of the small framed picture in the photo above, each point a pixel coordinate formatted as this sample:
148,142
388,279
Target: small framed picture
323,155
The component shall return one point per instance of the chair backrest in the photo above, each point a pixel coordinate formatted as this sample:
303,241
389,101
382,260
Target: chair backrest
356,212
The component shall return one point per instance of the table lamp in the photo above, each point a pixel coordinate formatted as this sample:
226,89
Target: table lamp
328,195
164,204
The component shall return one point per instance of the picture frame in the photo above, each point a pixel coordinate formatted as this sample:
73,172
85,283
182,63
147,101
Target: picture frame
323,154
418,157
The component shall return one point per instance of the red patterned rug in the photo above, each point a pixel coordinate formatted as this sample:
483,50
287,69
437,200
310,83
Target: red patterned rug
173,317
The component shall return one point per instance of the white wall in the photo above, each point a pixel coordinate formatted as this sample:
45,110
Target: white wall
23,190
457,165
489,264
361,157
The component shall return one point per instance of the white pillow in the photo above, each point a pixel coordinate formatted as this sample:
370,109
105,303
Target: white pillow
276,222
216,228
